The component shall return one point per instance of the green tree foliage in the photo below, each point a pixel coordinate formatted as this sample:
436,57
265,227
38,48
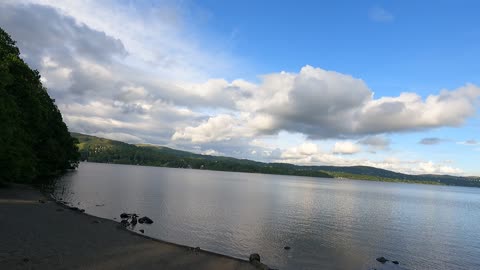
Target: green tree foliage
108,151
34,141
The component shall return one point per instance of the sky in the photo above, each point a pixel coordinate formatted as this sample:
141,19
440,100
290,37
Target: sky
389,84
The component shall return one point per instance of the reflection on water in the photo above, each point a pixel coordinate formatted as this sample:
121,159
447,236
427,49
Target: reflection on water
330,224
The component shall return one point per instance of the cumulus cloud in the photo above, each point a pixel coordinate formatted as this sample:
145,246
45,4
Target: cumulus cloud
212,152
313,156
222,127
325,104
346,148
302,152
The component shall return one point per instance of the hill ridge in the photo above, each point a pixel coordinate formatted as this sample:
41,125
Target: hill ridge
104,150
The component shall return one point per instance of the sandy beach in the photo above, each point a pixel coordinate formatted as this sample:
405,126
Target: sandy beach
38,233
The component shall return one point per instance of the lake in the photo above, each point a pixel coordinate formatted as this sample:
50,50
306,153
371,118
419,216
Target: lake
328,223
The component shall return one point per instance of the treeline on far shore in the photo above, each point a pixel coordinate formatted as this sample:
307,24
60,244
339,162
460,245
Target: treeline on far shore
102,150
95,149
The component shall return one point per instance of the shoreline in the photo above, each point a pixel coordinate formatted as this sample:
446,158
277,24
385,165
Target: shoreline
41,233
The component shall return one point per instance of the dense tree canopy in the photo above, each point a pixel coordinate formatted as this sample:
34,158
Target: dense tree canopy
35,144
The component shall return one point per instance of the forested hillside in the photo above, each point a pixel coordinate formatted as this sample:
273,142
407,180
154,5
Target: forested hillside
108,151
35,144
96,149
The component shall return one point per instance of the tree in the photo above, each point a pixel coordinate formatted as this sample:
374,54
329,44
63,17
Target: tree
35,143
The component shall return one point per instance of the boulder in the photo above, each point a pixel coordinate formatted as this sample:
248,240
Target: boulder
142,231
124,215
254,257
145,220
134,220
395,262
382,259
286,248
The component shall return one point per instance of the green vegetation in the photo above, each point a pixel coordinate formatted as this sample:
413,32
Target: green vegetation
346,175
35,144
108,151
375,174
96,149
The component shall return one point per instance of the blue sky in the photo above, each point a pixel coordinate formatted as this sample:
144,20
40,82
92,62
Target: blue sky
307,82
424,46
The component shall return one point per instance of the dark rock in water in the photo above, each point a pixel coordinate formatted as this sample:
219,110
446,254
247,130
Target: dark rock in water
95,221
74,208
134,220
124,222
254,257
382,259
81,210
124,215
196,249
142,231
146,220
286,248
395,262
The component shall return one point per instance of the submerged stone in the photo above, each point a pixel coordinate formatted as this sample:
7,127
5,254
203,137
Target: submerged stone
382,259
146,220
254,257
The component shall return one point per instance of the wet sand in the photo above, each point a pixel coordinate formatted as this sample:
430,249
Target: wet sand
38,233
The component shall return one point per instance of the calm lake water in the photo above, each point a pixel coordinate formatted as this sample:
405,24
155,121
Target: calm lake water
329,224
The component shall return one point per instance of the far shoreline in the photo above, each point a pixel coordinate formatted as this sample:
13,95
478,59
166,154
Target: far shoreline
387,180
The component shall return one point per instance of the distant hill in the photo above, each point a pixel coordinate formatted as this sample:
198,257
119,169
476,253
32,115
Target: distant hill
95,149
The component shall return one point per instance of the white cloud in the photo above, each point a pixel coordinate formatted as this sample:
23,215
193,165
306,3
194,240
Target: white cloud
346,148
303,151
296,156
222,127
155,35
212,152
325,104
